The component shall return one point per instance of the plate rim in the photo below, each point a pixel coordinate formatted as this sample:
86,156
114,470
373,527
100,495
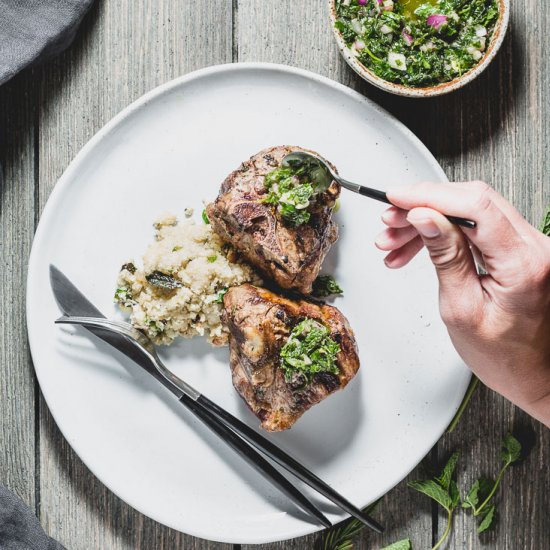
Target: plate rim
66,179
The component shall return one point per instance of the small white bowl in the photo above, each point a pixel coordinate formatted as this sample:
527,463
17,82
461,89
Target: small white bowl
432,91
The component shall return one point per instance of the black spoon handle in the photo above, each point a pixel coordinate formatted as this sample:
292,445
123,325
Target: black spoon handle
253,458
382,197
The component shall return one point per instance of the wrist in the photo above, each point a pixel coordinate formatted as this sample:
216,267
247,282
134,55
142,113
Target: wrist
540,409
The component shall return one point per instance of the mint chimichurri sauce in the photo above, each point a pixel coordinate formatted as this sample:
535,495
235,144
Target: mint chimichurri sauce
417,43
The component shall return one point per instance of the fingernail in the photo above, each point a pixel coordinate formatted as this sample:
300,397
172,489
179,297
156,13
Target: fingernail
427,228
380,239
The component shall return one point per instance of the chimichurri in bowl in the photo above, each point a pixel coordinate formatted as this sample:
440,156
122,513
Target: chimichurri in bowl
419,47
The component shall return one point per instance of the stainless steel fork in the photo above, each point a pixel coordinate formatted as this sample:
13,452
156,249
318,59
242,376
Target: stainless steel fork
233,431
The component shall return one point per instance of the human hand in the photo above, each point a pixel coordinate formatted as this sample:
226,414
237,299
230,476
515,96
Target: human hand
499,322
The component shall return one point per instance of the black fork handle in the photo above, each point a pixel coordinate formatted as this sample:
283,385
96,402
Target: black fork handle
255,460
288,463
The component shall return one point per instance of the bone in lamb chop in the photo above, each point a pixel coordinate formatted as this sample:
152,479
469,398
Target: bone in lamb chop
267,221
286,355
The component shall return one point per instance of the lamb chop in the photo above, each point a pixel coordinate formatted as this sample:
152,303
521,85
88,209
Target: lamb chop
286,355
278,229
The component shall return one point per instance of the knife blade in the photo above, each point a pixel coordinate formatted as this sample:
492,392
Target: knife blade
73,303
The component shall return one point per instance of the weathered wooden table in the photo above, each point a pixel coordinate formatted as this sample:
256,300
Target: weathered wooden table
497,129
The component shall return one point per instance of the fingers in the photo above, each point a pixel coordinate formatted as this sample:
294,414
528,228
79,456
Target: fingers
506,207
450,253
495,236
402,256
395,217
391,238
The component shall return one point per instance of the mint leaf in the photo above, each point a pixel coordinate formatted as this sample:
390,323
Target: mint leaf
511,450
433,490
340,537
326,285
454,494
162,280
488,517
472,498
447,473
404,544
545,225
478,492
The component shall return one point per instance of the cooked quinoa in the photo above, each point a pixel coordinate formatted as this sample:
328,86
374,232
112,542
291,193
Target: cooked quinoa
180,288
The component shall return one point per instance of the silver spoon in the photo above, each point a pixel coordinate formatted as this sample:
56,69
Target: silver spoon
323,175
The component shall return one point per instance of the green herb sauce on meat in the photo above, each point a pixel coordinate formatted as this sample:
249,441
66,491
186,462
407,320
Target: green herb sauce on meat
309,350
293,191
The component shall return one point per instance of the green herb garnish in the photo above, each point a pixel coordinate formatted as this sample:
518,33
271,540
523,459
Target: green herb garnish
205,217
155,326
326,285
545,225
176,248
484,489
161,280
292,191
404,544
123,296
472,386
212,258
309,350
443,489
221,294
340,537
418,44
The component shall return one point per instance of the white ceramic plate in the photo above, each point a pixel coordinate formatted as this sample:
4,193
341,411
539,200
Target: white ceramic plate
170,150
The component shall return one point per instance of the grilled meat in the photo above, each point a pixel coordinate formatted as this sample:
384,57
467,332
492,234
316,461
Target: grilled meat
260,323
291,256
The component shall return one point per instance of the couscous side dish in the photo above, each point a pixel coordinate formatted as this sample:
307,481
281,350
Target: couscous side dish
179,290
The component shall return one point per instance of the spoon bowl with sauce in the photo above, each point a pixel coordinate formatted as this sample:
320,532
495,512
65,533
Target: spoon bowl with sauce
322,175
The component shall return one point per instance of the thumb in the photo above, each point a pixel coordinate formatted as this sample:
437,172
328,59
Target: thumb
450,253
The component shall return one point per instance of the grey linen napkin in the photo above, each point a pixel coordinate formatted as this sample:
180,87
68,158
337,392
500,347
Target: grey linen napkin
32,30
19,528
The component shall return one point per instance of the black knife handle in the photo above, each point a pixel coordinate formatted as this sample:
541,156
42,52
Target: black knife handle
253,458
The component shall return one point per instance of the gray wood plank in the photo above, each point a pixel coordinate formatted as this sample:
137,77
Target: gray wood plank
495,129
124,49
498,130
17,392
299,34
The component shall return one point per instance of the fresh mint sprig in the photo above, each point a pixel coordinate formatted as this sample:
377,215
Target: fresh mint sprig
404,544
444,490
484,490
545,225
340,537
472,386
